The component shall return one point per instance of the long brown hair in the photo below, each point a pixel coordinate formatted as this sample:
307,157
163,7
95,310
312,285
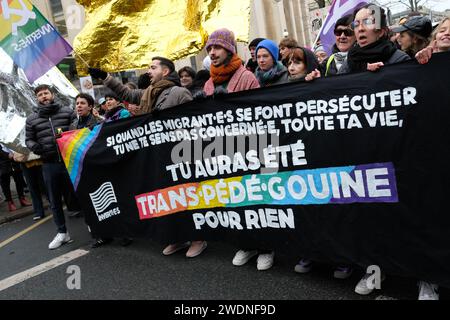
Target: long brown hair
418,43
296,55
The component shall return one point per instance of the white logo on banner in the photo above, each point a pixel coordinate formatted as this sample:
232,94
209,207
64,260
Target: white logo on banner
102,198
25,14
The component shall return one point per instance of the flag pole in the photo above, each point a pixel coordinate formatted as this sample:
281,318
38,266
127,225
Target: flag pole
321,28
81,58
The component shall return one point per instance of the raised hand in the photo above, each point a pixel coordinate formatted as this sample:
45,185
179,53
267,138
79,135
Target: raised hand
313,75
98,73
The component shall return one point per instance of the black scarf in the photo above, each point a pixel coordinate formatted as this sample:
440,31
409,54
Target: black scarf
379,51
47,110
84,121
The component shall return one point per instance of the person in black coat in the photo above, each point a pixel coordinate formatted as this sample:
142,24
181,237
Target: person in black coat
10,168
84,105
42,127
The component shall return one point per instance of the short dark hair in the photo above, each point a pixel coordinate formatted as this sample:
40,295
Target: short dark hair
344,21
111,94
191,72
166,63
42,87
87,97
144,81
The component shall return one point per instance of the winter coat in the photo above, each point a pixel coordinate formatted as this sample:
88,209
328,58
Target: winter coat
398,56
5,162
41,127
168,98
87,122
283,77
241,80
117,113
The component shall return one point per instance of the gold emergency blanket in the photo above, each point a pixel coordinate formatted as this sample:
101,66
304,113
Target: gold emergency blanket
125,34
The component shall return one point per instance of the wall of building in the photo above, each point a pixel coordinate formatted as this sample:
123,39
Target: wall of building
69,21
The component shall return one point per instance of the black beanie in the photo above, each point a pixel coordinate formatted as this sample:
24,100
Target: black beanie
255,42
344,21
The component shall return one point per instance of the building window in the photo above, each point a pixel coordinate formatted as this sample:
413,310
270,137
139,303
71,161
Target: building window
58,17
56,7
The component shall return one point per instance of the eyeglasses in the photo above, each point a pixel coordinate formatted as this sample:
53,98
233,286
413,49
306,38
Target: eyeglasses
346,32
367,22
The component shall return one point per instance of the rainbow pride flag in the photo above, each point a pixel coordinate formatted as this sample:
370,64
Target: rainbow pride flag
73,146
31,41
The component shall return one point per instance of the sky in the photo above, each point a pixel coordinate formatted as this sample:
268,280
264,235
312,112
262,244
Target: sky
435,5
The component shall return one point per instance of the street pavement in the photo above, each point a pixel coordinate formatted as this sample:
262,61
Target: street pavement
140,271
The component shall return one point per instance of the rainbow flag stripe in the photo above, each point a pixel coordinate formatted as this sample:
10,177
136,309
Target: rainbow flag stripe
366,183
73,146
31,41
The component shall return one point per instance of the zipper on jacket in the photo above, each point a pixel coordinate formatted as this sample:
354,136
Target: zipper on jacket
54,136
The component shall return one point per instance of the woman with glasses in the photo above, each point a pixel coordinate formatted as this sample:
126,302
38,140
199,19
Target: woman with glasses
373,48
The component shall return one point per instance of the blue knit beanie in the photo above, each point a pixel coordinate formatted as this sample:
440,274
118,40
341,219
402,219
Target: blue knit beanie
270,46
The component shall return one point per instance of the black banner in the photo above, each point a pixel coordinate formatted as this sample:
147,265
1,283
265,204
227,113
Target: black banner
351,169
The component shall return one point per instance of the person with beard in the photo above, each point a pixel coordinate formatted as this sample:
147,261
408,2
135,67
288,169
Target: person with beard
300,62
373,48
42,128
227,73
164,92
345,39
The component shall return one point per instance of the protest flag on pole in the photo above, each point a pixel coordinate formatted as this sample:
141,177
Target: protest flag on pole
29,39
338,9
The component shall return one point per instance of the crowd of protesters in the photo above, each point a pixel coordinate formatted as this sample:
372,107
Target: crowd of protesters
364,42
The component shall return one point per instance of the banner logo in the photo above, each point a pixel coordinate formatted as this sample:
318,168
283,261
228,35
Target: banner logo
25,14
102,198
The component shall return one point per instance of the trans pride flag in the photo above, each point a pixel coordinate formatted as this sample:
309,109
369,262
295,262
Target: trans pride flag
30,40
73,146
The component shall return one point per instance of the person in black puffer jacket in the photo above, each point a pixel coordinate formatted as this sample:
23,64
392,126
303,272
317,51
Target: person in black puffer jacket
43,124
42,127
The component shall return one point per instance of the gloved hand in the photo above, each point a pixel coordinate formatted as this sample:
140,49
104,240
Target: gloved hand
37,149
98,73
199,95
220,91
